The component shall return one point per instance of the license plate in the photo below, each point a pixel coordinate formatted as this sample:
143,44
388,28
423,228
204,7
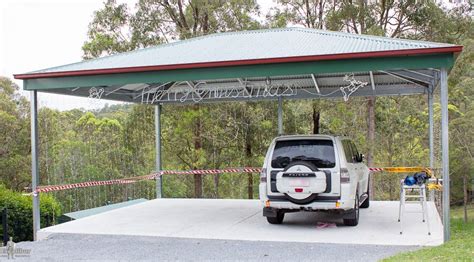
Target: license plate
294,182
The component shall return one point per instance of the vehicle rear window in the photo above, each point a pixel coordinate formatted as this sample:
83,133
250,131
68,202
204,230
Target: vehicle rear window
319,152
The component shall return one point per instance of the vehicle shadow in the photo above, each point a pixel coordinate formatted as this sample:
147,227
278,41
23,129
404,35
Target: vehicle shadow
305,219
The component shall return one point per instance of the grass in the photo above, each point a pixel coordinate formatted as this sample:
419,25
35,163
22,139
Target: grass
459,248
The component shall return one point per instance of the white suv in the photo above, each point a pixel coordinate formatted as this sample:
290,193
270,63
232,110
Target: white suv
311,173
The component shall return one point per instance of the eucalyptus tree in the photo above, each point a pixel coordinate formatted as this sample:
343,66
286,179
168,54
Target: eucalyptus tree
14,143
116,28
424,20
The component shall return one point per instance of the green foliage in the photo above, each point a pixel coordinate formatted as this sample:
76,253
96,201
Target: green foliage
116,29
14,141
119,141
20,213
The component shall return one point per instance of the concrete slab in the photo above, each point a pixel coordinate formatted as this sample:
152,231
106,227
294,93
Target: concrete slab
242,220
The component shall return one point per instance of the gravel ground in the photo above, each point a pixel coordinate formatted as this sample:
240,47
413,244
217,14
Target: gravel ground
67,247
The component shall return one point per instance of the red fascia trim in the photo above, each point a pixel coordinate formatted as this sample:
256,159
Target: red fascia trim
293,59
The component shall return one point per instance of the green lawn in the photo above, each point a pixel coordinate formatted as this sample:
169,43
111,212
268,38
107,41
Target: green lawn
459,248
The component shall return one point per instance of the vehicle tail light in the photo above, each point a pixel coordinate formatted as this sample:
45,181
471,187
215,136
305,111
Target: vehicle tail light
298,190
345,178
263,175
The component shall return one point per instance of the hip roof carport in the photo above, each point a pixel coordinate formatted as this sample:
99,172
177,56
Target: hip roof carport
274,64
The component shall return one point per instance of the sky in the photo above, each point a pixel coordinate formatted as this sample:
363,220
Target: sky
37,34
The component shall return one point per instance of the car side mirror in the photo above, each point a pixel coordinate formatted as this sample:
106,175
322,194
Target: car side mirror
359,158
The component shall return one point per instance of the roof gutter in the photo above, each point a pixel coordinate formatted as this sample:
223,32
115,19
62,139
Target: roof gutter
293,59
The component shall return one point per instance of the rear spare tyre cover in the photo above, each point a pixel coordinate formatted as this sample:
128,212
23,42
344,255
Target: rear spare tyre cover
301,181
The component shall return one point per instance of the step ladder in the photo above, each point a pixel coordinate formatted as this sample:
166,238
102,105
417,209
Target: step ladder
415,194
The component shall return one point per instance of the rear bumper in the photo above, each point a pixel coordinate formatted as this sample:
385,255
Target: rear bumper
313,206
272,212
324,203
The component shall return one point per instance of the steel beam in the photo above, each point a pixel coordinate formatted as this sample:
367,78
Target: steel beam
445,152
244,71
431,132
372,82
403,78
412,75
315,82
280,115
159,179
34,163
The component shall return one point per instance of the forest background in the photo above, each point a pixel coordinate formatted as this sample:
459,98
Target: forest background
117,141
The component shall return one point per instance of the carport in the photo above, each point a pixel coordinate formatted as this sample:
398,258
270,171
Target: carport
274,64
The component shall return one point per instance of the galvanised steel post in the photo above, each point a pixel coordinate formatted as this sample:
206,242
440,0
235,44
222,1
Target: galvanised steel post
431,132
34,163
159,179
280,115
445,151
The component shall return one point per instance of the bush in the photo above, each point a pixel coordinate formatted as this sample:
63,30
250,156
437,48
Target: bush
20,213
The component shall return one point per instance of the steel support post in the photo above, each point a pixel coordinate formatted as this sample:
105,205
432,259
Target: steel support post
280,115
34,163
159,179
445,152
431,132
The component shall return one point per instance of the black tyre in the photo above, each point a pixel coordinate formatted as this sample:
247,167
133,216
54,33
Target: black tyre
310,198
353,217
278,219
366,202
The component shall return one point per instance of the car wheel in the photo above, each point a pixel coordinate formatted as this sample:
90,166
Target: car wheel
366,202
278,219
353,219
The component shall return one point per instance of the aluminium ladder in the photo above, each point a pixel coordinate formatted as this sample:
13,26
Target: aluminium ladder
415,194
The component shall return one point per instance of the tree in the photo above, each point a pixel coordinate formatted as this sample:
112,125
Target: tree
425,20
461,82
14,141
115,29
156,22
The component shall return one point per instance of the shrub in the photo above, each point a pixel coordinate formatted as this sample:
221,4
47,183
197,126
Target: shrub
20,213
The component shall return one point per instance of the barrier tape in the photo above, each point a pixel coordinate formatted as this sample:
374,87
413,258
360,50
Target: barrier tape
152,176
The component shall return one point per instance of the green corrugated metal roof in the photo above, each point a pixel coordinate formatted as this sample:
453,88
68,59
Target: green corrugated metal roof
248,45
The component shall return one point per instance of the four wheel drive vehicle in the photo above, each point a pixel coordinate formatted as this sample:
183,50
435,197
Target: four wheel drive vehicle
313,173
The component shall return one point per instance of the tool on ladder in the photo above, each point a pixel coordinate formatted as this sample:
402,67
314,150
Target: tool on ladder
413,191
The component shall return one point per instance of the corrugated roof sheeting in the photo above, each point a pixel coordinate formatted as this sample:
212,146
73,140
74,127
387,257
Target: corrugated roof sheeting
247,45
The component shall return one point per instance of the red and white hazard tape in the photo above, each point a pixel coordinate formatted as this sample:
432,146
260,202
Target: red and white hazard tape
168,172
375,169
52,188
213,171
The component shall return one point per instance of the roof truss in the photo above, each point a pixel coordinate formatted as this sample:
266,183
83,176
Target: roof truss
306,86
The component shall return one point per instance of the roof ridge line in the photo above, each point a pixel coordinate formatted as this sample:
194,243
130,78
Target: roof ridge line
385,39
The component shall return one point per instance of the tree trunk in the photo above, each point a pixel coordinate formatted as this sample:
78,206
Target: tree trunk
197,147
464,180
248,156
371,139
316,117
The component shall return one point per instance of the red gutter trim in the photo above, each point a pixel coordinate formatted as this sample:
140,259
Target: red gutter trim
292,59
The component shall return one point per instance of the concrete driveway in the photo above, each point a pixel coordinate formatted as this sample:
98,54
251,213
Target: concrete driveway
242,220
